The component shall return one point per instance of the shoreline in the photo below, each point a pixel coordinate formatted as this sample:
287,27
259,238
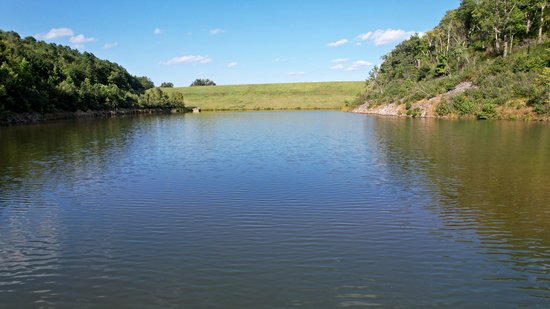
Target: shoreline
427,108
399,111
36,118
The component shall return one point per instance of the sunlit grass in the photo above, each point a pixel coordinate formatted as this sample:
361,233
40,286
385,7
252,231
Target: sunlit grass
322,95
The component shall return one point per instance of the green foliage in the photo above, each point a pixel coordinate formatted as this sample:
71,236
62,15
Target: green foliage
40,77
202,82
444,108
157,98
167,85
463,105
414,112
498,46
540,97
488,111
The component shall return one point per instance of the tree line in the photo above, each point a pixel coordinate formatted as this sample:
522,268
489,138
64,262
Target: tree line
39,77
499,45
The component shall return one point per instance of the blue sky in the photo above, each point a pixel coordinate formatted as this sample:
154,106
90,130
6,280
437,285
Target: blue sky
230,42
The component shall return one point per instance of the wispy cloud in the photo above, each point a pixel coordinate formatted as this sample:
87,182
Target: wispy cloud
55,33
358,65
216,31
81,39
339,60
386,36
110,45
296,73
188,59
354,66
232,64
338,43
157,31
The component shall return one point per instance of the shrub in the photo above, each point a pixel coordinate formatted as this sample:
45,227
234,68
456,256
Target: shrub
463,105
444,108
488,111
415,112
202,82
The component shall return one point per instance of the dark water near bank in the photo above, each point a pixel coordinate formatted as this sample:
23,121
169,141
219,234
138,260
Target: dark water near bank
274,210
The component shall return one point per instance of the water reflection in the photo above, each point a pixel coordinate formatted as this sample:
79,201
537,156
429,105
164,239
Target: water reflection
303,209
492,178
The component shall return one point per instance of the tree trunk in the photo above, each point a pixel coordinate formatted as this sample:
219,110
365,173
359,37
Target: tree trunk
511,42
497,43
449,37
505,48
541,27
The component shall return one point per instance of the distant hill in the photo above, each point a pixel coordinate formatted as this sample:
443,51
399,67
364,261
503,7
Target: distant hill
322,95
487,58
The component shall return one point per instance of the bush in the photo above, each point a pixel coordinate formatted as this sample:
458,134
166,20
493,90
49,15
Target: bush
463,105
202,82
444,108
415,112
488,111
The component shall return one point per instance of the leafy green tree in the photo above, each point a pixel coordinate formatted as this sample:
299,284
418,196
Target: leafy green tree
40,77
167,85
202,82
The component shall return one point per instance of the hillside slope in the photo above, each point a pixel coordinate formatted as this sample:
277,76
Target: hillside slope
38,79
499,49
322,95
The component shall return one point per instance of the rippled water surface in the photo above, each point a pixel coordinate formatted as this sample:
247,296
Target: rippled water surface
274,210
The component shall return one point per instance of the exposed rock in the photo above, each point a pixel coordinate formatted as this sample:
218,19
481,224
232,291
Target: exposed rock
460,88
424,108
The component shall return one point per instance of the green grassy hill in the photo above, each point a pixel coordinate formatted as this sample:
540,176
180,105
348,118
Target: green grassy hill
323,95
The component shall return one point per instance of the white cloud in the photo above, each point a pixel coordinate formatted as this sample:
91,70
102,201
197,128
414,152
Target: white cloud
382,37
339,60
81,38
232,64
354,66
338,43
296,73
358,65
157,31
110,45
216,31
77,46
188,59
365,36
55,33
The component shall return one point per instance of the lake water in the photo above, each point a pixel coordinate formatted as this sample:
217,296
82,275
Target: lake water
274,210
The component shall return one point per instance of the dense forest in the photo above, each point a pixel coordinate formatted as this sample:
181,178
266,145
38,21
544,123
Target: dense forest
39,77
499,46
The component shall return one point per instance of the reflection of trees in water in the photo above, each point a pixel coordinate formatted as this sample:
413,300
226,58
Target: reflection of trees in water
493,177
34,158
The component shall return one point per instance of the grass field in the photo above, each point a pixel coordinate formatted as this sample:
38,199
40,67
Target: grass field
323,95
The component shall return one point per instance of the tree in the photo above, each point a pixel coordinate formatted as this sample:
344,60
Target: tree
203,82
145,82
167,85
39,77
